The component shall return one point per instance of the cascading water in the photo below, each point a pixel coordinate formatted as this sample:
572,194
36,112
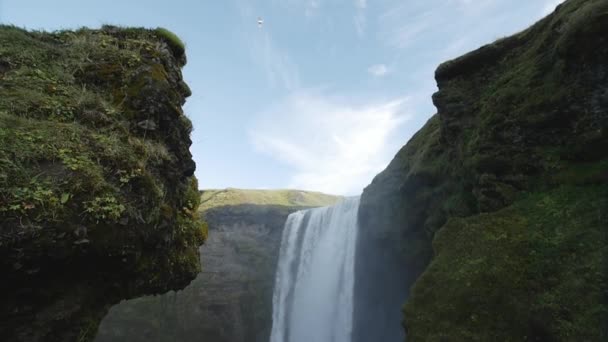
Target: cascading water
313,293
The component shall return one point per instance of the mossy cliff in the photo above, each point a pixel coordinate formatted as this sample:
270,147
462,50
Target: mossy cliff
97,194
231,300
496,211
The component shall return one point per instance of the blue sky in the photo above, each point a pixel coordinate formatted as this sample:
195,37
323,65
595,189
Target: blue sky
322,96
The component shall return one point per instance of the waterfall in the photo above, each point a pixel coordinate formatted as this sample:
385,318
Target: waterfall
313,293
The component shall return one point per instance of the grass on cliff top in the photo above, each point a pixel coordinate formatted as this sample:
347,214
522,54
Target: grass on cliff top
178,46
70,150
80,177
231,196
67,147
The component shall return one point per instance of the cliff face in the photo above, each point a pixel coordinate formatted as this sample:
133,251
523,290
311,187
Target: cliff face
501,199
231,300
97,193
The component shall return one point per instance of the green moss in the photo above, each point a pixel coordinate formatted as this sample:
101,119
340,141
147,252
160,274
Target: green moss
81,181
176,44
546,252
585,173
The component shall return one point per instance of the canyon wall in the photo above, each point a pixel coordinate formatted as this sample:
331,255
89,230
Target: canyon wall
494,215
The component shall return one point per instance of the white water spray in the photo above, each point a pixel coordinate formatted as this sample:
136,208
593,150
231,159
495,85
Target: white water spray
313,293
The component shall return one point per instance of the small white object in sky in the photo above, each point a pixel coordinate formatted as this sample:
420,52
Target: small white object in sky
378,70
260,22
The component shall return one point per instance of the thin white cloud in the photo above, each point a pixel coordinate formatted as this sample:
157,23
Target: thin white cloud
405,24
400,34
456,48
277,64
550,6
360,17
311,7
474,6
462,2
331,145
378,70
307,7
280,70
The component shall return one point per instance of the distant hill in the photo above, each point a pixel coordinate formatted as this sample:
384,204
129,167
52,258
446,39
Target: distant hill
231,300
290,198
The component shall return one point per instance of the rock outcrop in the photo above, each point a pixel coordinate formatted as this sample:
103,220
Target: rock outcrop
97,194
496,210
231,300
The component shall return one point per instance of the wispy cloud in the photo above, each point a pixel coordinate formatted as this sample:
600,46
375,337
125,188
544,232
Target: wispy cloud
360,17
280,69
361,4
331,145
311,7
407,24
277,64
307,7
550,6
399,34
378,70
474,6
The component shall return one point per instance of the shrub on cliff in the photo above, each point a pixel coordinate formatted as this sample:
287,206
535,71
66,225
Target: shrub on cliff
178,46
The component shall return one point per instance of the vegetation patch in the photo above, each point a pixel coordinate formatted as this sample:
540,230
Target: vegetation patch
290,198
520,121
178,46
95,168
532,271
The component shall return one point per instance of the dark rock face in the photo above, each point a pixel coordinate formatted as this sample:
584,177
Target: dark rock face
93,208
500,199
393,244
230,301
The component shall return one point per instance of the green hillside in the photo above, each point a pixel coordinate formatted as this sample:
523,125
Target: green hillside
291,198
